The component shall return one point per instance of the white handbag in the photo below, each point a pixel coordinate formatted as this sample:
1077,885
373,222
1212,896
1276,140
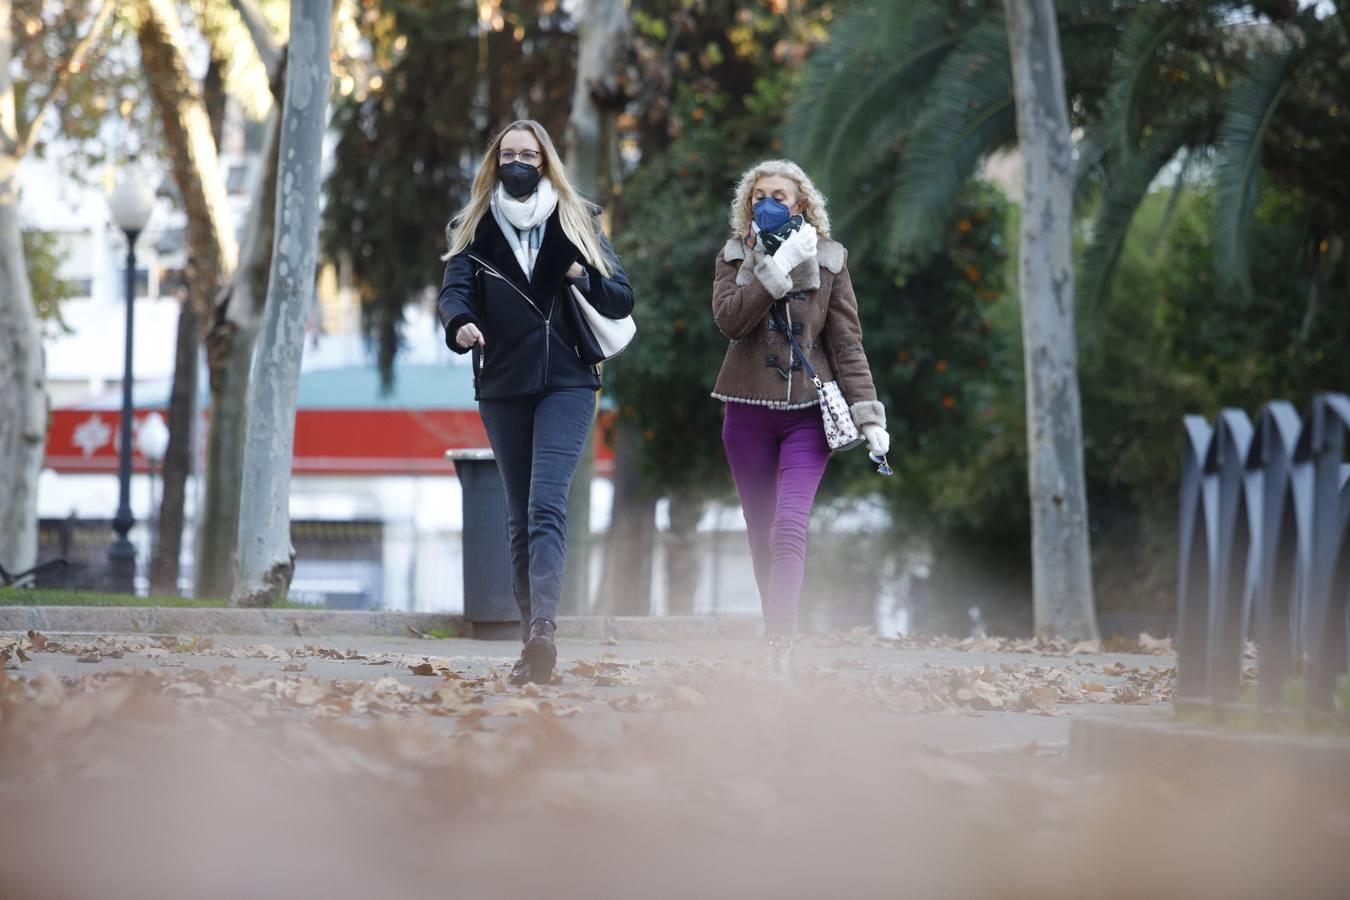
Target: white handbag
601,337
840,431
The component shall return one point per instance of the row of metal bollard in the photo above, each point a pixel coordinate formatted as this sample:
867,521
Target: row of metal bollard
1265,553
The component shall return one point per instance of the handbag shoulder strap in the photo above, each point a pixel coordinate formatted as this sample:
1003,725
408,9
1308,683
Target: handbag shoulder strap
796,347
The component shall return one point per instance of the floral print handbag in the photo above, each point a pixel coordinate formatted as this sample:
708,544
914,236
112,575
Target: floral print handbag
840,431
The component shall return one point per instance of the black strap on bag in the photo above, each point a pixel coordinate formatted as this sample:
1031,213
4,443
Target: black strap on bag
796,347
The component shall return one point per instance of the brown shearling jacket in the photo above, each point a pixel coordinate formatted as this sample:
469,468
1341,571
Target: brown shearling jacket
822,312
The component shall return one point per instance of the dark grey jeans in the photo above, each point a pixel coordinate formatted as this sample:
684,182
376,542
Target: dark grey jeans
537,442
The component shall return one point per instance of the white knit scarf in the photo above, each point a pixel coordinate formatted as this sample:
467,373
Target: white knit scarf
522,221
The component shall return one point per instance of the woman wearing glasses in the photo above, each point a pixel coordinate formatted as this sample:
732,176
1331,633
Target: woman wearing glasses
781,271
523,240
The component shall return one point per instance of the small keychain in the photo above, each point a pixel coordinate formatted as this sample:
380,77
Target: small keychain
883,467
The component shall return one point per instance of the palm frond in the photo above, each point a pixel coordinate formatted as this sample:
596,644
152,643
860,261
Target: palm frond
853,53
1134,70
1173,199
866,84
1126,188
968,114
1248,110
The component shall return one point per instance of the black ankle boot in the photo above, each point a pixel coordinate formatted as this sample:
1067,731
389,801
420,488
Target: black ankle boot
540,653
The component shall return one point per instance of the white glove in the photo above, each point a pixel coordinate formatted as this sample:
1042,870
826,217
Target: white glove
797,249
878,441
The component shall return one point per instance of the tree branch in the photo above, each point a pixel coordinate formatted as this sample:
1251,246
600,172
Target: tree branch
269,51
63,75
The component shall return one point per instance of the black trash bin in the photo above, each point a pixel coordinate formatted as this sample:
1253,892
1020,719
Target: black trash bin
489,603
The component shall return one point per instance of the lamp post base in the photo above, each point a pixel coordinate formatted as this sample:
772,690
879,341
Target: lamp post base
122,567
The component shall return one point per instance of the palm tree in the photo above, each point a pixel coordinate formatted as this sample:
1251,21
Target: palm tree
902,105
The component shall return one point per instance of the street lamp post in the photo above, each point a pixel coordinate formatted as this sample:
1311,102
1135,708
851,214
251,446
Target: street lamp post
131,203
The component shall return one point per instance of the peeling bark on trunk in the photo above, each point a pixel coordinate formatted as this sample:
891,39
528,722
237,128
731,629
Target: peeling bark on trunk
265,556
1060,557
240,317
591,152
23,388
212,255
626,584
597,97
23,394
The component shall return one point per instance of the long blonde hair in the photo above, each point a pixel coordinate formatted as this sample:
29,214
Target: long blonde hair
573,210
813,201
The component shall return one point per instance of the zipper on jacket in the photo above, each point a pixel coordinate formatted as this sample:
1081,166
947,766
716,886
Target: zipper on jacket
548,324
787,306
514,286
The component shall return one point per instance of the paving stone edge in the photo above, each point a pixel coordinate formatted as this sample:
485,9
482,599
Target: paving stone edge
1180,751
303,623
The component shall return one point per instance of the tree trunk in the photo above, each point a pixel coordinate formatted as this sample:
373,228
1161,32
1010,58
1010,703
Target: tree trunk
23,395
1060,557
23,387
590,159
266,558
214,97
596,98
626,583
177,456
682,563
212,255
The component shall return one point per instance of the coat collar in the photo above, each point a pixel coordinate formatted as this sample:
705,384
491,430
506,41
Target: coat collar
830,254
556,255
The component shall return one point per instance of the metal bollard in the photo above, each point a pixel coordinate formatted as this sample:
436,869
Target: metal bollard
1325,444
489,602
1196,552
1282,548
1226,465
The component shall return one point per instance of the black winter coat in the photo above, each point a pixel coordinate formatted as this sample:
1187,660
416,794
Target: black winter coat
530,332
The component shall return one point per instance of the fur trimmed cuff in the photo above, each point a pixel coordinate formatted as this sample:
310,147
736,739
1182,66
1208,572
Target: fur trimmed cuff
773,278
868,412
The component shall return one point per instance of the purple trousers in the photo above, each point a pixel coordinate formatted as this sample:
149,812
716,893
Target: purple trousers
777,458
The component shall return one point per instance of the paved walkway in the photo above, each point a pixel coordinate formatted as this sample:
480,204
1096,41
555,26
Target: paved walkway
602,681
142,766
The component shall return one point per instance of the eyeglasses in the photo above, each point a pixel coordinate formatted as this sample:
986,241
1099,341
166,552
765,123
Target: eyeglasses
883,467
528,157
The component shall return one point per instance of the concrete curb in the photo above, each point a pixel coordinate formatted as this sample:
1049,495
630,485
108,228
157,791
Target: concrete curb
303,623
1185,751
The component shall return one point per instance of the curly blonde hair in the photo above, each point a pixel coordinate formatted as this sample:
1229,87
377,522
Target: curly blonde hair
813,201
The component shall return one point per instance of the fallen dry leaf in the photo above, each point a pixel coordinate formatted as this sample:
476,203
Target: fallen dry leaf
515,706
1043,697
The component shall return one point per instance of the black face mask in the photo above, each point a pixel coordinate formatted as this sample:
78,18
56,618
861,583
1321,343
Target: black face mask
774,239
519,179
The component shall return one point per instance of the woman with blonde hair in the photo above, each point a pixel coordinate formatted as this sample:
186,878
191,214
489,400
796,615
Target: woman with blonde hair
518,248
781,277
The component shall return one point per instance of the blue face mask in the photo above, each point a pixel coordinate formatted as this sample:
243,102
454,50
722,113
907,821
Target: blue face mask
770,215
